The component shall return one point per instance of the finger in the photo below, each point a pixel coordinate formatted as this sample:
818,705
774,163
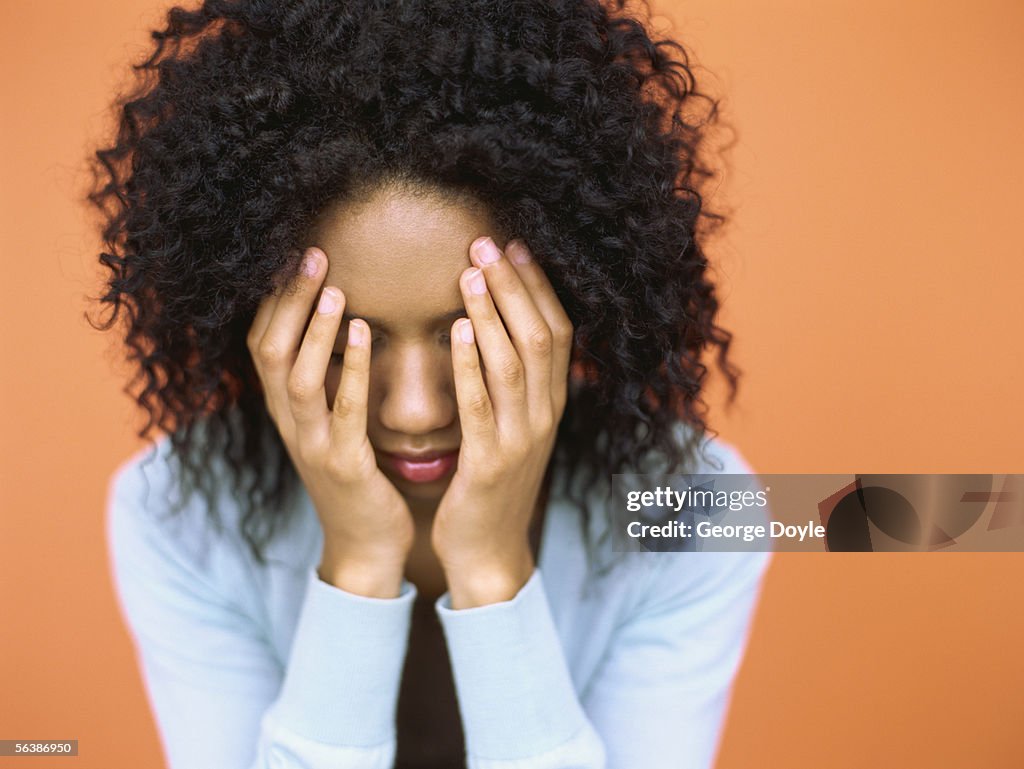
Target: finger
528,329
261,321
306,394
257,329
264,314
504,372
280,341
476,410
544,296
348,415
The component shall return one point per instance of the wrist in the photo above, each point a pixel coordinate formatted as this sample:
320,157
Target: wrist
377,576
471,585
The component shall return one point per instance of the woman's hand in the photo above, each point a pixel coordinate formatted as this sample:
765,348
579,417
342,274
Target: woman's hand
368,529
509,413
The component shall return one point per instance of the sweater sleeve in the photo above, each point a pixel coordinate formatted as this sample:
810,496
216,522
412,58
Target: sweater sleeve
658,698
219,696
517,701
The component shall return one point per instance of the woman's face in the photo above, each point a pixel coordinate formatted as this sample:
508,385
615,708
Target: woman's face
398,257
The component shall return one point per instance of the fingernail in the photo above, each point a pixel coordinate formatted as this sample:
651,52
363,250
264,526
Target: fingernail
328,302
487,252
518,252
309,266
477,284
355,332
466,331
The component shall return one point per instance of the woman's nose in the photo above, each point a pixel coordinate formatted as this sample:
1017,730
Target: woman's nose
418,395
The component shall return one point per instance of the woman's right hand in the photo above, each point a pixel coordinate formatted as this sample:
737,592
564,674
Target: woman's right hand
368,530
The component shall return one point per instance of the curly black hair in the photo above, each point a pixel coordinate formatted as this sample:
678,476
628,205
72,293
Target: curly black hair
580,133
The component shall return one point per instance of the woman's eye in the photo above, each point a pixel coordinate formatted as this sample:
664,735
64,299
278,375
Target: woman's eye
338,358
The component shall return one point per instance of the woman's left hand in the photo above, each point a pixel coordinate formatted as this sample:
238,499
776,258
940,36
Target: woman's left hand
509,410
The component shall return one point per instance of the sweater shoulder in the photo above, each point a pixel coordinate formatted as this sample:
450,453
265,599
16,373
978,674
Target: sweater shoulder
146,499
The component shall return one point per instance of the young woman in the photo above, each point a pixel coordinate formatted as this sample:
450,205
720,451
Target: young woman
406,284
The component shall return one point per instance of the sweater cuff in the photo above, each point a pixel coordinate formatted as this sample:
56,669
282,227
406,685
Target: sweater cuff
345,666
515,694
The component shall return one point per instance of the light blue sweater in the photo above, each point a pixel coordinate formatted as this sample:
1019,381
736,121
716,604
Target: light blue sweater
268,666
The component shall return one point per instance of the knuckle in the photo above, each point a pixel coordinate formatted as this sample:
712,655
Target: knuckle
252,343
346,467
518,450
540,340
306,454
479,406
512,373
345,405
337,469
270,353
563,332
300,389
544,422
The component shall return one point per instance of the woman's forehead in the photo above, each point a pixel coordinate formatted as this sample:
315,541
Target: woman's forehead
399,255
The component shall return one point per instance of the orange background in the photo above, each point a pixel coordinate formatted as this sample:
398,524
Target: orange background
872,277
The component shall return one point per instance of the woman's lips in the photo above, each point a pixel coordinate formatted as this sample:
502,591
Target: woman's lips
422,471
